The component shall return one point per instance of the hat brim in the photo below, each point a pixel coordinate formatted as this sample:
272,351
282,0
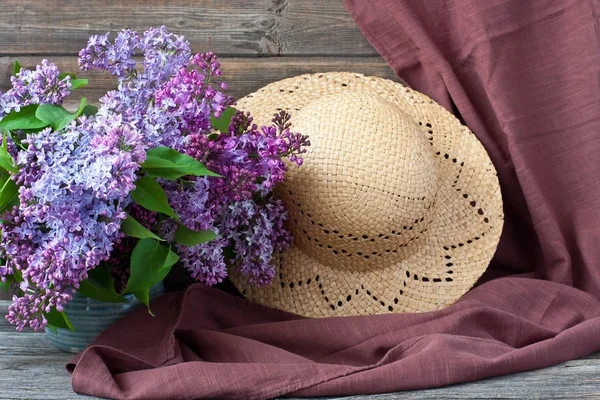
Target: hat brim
453,252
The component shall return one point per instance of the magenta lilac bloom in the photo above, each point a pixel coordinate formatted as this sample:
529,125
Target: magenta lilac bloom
240,205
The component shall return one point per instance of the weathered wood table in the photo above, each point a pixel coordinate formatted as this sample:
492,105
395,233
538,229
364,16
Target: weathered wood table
30,368
259,41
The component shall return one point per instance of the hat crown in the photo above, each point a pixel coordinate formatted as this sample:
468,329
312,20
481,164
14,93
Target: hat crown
368,183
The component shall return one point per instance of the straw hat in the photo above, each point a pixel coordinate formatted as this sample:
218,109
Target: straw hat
397,207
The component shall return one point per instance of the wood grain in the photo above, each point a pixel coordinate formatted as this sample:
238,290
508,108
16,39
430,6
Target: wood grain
311,36
232,27
30,368
244,75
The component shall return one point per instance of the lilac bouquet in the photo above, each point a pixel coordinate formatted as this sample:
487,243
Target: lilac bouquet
104,201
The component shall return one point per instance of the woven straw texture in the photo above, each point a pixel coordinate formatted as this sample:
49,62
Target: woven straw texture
397,207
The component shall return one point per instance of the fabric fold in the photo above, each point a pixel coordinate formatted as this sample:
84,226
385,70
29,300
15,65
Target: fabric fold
525,78
503,326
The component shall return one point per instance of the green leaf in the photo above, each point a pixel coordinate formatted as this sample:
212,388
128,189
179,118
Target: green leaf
52,114
97,292
100,286
144,296
150,264
222,123
132,228
23,119
17,67
69,325
57,116
65,74
58,319
101,275
171,259
77,83
14,139
9,192
147,259
18,275
89,110
14,202
6,160
6,285
167,163
188,237
149,194
72,116
82,106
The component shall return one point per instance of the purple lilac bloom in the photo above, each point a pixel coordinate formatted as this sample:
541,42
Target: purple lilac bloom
250,162
164,54
206,262
191,199
40,86
253,231
186,102
256,231
172,97
115,58
189,95
74,187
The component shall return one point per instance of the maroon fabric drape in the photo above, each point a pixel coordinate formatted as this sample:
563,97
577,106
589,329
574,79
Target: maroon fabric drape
525,77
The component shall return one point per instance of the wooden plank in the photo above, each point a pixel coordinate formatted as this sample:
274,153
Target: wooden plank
30,368
243,75
233,27
579,379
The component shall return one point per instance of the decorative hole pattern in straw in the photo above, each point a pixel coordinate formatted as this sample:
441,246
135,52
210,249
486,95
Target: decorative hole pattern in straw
397,207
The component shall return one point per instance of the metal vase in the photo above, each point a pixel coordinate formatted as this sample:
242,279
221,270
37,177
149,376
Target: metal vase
91,317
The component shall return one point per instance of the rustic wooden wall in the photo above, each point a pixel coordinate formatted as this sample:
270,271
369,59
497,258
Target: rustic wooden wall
259,41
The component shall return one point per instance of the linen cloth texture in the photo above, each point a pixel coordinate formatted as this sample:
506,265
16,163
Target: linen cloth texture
525,77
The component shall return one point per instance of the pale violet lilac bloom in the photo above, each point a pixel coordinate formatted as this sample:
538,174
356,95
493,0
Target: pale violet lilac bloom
40,86
74,189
